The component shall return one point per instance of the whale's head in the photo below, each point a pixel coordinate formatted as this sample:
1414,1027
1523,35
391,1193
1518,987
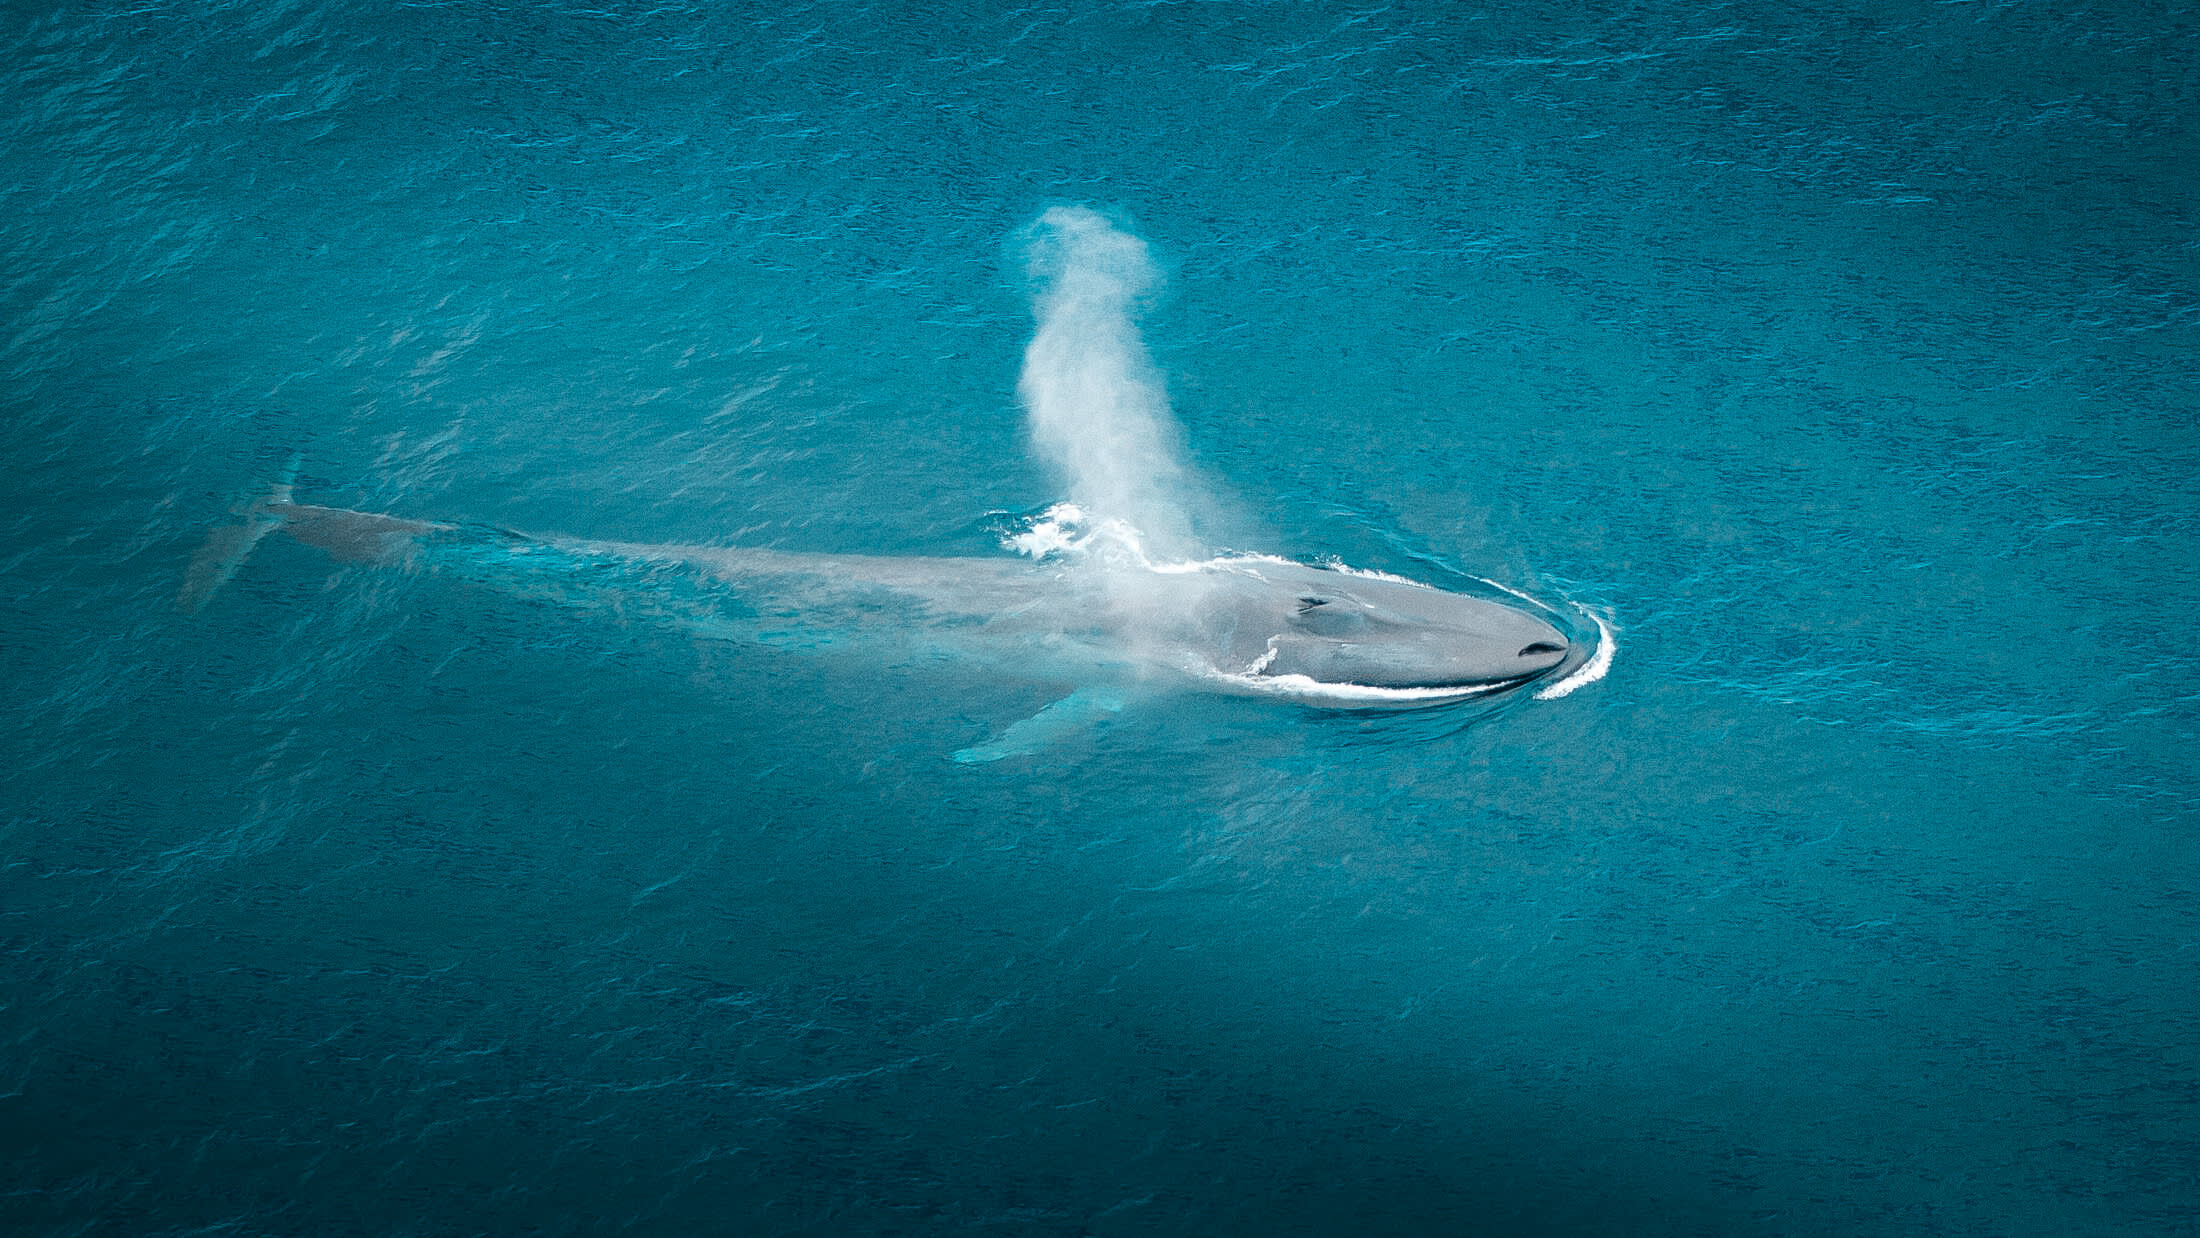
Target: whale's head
1348,630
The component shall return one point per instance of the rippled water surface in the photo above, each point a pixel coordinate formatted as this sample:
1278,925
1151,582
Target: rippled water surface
1839,358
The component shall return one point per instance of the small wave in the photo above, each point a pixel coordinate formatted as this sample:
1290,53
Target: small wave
1598,665
1350,695
1066,531
1341,567
1536,602
1054,531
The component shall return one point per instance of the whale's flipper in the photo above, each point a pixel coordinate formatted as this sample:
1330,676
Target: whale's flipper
1079,709
226,548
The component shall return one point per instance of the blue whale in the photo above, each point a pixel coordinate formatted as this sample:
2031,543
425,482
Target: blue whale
1329,637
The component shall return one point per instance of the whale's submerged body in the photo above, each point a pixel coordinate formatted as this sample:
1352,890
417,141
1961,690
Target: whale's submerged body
1322,636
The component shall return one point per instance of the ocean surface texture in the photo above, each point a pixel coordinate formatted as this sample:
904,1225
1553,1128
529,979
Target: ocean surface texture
1833,369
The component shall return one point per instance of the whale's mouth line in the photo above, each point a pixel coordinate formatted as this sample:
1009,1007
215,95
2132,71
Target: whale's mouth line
1496,684
1343,694
1476,686
1509,681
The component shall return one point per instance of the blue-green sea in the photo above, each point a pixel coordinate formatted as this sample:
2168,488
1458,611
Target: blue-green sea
1835,366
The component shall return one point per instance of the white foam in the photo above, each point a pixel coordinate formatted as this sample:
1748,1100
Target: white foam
1348,695
1536,602
1597,667
1242,564
1053,532
1343,568
1067,531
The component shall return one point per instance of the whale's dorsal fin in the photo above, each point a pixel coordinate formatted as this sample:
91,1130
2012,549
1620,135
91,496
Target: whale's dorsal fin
1074,712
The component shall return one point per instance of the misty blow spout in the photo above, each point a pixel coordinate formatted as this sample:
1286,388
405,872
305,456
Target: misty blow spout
1098,410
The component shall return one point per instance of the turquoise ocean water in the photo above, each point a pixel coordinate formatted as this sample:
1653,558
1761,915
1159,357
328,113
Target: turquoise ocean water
1841,357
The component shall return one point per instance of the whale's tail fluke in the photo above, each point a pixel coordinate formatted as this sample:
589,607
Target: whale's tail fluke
228,546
